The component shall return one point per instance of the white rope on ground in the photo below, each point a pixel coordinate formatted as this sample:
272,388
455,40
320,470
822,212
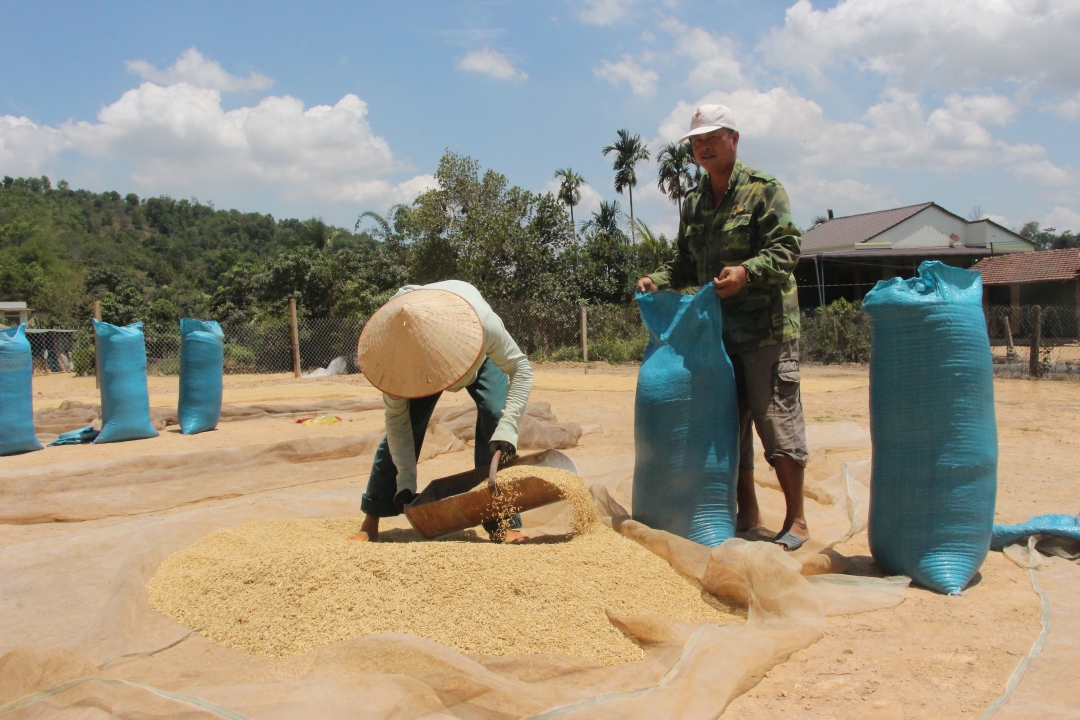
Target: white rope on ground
189,699
1032,654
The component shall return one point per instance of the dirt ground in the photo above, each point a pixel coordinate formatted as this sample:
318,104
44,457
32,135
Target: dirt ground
931,657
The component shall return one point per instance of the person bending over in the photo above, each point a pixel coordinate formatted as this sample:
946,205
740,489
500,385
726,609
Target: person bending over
428,339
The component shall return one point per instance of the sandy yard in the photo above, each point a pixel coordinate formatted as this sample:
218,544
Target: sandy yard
931,657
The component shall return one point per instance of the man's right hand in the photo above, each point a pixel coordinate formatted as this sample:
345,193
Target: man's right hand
646,285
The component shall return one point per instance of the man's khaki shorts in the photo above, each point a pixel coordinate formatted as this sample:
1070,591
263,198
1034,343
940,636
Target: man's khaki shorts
768,381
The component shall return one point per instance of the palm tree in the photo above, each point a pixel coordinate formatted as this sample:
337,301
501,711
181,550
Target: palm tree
658,248
629,151
675,161
569,191
605,220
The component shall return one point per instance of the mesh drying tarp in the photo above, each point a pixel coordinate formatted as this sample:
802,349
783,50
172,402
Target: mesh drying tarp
125,400
933,426
202,357
686,420
16,393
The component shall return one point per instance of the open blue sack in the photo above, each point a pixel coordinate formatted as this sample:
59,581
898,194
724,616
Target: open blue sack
686,420
16,393
125,400
934,434
202,360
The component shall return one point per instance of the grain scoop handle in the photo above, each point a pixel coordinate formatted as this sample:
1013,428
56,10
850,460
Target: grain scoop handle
493,487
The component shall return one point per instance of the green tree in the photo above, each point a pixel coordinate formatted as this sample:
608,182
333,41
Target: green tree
1048,238
673,170
569,191
629,151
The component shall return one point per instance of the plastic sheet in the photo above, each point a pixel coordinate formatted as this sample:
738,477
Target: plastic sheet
16,393
125,400
202,357
933,427
686,421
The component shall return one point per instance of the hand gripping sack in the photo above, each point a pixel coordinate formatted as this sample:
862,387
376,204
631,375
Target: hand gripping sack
125,400
933,430
202,358
16,393
686,420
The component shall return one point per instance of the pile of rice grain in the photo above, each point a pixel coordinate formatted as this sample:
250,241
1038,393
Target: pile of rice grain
281,587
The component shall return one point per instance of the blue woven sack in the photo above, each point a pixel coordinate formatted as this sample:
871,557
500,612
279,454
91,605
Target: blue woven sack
934,434
686,420
125,401
16,393
202,359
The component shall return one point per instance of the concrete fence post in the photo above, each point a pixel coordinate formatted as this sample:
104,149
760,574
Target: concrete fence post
1036,339
295,338
97,357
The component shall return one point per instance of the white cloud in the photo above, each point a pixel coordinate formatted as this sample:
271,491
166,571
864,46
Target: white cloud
899,132
1068,108
954,44
179,140
627,70
194,69
1062,219
603,12
716,66
491,62
815,195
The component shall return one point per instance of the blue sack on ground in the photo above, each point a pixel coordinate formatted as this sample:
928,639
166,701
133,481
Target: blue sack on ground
16,393
76,437
686,420
1067,526
932,425
202,360
125,400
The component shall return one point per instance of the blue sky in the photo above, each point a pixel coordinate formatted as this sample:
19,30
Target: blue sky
331,109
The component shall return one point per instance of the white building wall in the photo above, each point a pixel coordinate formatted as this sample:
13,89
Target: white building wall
929,228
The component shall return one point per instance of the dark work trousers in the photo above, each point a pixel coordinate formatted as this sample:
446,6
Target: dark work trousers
489,392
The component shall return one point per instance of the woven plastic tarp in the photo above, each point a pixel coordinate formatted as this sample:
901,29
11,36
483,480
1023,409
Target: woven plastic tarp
686,421
1057,525
202,357
932,423
16,393
125,401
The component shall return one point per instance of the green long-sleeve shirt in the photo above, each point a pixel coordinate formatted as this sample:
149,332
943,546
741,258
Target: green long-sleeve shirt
752,227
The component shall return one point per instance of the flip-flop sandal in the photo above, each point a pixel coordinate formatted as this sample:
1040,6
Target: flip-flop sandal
789,542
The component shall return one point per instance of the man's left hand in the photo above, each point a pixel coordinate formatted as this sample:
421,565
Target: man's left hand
730,280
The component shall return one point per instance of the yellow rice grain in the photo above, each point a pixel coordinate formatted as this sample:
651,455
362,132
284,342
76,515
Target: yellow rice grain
281,587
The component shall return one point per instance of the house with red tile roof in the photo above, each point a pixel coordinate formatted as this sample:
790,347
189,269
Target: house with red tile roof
1047,278
845,256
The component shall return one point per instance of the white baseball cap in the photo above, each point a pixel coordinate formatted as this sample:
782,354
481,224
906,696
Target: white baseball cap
708,118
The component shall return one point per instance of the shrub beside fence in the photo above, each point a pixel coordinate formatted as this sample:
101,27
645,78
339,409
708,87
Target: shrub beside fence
837,333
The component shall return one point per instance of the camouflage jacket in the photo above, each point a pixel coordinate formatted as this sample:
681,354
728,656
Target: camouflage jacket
751,227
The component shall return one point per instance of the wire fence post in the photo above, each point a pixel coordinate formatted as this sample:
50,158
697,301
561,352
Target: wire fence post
1036,339
585,336
1011,354
295,337
97,356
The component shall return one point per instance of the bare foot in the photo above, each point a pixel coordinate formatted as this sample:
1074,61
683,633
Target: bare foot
510,536
369,530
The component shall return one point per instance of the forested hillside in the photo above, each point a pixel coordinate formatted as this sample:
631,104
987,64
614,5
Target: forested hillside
155,259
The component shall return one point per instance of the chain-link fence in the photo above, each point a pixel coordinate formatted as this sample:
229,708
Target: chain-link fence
1032,341
552,332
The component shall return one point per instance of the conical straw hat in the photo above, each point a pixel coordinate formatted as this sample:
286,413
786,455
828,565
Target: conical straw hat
420,343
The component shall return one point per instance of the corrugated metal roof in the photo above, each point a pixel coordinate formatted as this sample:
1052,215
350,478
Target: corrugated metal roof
1029,267
855,229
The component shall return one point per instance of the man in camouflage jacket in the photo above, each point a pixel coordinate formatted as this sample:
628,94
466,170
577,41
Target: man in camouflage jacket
736,231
